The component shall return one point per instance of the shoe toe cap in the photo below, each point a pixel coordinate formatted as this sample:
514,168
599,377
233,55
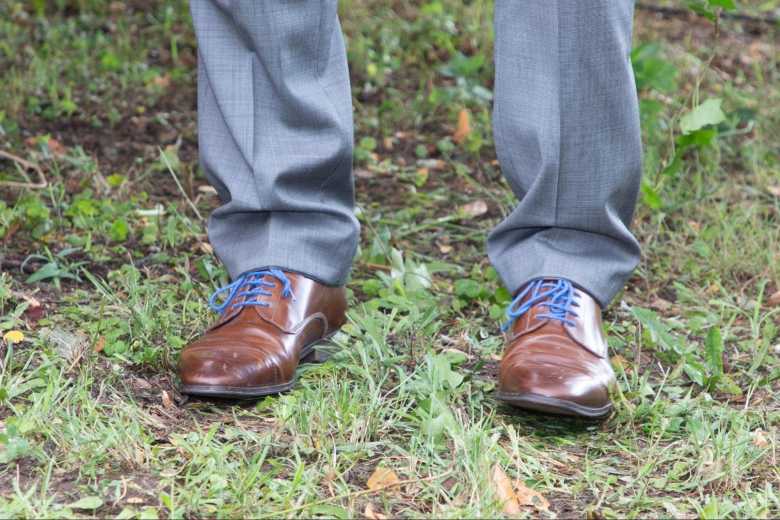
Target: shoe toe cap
233,366
556,382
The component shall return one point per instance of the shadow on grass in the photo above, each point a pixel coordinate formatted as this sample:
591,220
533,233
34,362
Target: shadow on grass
539,424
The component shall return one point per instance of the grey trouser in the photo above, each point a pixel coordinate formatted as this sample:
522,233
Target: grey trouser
275,126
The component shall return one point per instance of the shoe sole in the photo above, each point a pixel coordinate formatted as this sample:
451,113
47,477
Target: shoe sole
551,405
309,354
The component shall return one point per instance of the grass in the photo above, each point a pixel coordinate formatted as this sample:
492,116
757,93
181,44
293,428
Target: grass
92,423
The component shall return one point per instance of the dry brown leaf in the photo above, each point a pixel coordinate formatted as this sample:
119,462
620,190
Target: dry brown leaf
100,344
529,497
619,361
33,302
432,164
207,190
371,514
140,384
56,147
661,304
116,7
381,478
163,81
362,173
774,190
759,439
774,299
422,176
502,487
464,126
475,209
206,248
166,399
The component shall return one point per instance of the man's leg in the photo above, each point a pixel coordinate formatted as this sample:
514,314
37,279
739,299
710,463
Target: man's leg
275,127
567,134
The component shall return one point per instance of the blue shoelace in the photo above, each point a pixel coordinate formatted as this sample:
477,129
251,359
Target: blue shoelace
558,296
251,287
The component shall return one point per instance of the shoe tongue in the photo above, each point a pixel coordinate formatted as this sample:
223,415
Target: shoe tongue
282,312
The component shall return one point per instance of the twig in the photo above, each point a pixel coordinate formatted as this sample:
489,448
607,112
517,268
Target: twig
178,184
378,267
681,11
356,494
25,165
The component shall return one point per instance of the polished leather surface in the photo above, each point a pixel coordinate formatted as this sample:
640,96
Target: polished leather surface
555,367
259,348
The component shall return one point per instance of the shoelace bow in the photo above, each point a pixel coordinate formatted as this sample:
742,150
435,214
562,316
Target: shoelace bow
558,296
251,287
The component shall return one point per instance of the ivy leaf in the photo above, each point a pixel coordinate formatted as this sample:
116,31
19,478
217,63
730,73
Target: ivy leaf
119,230
86,503
706,114
714,349
727,5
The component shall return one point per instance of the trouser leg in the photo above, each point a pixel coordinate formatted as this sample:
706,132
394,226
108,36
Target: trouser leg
566,126
275,132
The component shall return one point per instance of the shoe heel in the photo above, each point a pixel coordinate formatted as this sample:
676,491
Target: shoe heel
316,356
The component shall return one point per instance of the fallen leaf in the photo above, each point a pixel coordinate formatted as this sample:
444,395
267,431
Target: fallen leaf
422,176
502,487
661,304
100,344
529,497
206,248
759,439
56,148
388,143
445,248
363,173
463,129
371,514
33,315
619,361
207,190
116,7
382,478
774,300
774,190
34,302
166,399
163,81
432,164
13,336
475,209
141,384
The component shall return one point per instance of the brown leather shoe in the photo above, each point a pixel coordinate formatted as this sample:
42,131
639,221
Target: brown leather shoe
271,320
556,355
